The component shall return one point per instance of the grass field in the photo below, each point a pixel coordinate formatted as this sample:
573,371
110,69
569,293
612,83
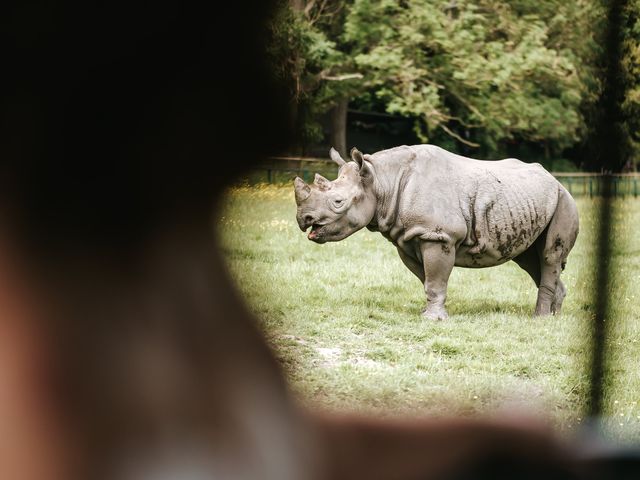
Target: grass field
344,319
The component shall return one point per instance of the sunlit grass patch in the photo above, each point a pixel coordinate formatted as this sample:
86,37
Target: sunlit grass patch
344,320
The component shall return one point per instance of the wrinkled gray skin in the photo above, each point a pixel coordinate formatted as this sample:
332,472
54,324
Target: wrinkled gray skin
441,209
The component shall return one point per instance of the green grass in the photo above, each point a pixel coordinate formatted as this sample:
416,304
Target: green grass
344,320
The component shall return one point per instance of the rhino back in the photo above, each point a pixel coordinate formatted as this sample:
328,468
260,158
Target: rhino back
507,204
491,210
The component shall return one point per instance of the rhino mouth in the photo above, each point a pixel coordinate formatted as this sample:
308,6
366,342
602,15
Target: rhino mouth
315,234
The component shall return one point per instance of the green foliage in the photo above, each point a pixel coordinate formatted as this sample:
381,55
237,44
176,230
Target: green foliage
631,72
480,74
561,165
308,61
484,71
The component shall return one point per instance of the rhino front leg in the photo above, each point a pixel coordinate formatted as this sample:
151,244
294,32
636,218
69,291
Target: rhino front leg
438,259
412,264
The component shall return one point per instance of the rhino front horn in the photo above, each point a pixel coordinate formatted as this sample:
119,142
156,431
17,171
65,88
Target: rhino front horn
302,190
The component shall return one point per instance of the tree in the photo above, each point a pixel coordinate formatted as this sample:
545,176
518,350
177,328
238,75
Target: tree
481,71
308,57
630,69
481,76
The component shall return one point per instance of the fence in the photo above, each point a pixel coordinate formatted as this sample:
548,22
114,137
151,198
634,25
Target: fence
591,184
283,169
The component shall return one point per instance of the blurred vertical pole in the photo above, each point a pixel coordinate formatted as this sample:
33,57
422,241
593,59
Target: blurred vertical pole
601,289
609,157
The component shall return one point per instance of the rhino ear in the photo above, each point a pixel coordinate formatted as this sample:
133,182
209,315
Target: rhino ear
302,190
335,156
321,182
358,157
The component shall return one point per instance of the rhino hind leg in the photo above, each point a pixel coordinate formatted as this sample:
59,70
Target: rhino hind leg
561,292
554,247
529,261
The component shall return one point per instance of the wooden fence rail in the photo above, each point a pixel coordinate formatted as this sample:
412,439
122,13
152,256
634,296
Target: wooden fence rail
283,169
591,184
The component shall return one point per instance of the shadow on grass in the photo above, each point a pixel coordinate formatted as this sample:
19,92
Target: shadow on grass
382,312
483,307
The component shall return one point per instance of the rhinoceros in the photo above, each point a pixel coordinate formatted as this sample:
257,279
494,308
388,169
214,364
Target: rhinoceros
442,210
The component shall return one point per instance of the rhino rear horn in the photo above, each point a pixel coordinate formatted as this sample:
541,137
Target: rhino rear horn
321,182
335,156
302,190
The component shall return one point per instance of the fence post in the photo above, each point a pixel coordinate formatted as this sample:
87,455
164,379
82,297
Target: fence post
627,186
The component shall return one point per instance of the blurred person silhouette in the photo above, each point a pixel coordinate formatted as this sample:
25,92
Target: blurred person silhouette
125,351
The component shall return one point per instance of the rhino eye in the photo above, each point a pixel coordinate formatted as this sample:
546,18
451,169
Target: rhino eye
337,203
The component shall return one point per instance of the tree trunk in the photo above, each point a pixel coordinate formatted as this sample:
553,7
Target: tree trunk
295,142
547,153
297,5
296,146
338,135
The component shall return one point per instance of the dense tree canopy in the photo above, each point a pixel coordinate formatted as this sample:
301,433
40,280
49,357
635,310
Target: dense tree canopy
476,75
306,55
631,74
